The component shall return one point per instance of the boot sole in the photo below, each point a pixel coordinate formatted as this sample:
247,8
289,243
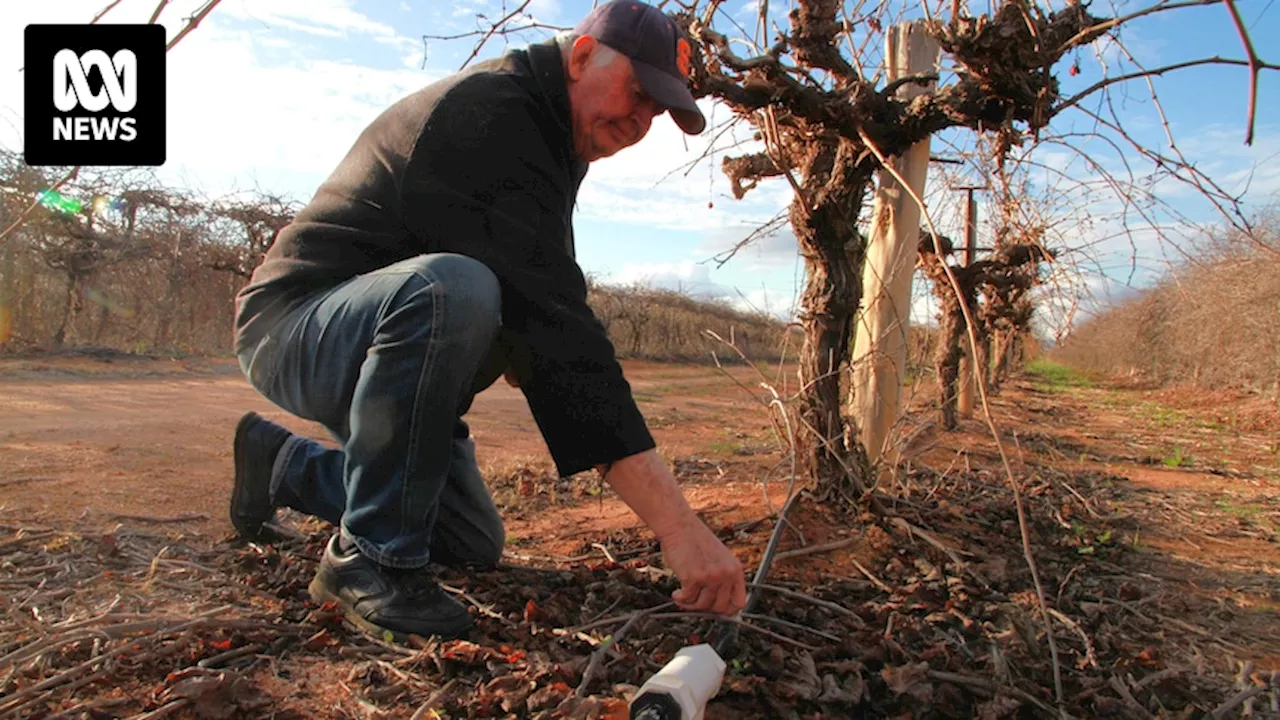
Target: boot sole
321,595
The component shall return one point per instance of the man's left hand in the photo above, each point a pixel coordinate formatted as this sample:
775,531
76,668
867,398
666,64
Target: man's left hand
710,576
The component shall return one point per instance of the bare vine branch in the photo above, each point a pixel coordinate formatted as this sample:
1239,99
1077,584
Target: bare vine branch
111,6
501,27
1105,82
1255,65
1106,25
193,22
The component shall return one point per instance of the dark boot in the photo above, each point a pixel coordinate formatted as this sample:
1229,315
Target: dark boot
381,600
257,442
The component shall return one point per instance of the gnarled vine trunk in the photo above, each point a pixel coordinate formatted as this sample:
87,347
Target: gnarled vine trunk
950,351
824,215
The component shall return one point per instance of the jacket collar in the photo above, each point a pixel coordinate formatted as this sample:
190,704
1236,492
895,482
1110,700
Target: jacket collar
547,67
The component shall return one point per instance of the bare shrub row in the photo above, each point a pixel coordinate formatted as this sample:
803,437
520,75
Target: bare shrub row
1213,320
114,260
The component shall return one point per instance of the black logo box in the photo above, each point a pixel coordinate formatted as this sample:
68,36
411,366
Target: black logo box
42,42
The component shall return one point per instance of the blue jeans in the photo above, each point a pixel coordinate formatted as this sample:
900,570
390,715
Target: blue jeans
389,362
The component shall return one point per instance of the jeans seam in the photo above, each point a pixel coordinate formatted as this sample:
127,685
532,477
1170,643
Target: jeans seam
266,351
283,333
438,301
368,549
410,525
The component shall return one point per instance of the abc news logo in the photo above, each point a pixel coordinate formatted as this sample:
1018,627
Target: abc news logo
95,95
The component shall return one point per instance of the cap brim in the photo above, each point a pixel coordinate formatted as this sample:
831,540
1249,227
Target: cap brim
673,94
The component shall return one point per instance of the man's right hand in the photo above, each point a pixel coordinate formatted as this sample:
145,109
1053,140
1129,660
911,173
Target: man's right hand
710,576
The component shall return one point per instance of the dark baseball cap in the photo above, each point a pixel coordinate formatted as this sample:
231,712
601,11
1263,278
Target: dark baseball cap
659,51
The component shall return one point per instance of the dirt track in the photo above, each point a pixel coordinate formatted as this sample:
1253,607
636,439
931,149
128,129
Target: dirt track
1154,520
88,440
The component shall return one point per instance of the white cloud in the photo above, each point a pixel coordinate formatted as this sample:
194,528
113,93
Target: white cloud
1253,170
687,277
672,180
301,117
547,11
695,279
325,18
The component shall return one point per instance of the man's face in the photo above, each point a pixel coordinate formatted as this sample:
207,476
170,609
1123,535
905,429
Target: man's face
610,108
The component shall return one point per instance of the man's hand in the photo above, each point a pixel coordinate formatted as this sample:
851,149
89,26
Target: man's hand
510,375
710,576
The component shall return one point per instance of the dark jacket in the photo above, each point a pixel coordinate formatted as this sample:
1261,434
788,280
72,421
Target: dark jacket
482,164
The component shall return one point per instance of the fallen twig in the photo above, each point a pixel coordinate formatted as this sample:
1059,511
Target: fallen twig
825,547
793,626
740,623
834,607
164,710
616,618
24,536
1235,701
992,687
604,549
874,580
1085,503
1129,699
108,633
434,699
83,708
12,701
86,680
221,658
184,517
685,614
598,656
935,542
1154,678
483,609
1089,655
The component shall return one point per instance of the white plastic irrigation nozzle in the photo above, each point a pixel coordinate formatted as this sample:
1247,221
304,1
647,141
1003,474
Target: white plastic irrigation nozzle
681,689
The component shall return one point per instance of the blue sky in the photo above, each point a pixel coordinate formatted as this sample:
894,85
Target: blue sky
270,94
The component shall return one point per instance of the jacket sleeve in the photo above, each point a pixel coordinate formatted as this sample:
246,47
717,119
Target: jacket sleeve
484,182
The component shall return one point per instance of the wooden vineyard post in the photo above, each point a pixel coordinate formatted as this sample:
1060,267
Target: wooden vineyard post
880,342
966,385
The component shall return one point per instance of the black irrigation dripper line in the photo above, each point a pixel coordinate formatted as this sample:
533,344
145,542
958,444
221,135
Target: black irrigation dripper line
727,637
